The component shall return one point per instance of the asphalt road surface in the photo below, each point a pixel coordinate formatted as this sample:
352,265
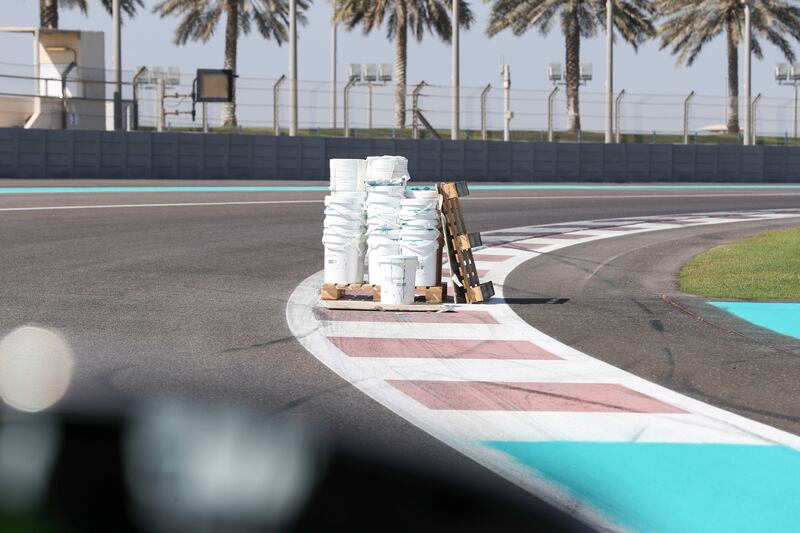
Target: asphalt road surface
182,294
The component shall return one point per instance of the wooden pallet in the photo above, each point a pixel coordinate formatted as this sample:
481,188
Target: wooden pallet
336,291
460,243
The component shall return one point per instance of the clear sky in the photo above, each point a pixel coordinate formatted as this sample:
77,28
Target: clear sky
147,41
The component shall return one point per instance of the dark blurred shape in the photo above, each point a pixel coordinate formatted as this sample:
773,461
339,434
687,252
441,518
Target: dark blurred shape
172,467
28,448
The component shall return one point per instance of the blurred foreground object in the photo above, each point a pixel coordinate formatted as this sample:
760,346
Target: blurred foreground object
35,368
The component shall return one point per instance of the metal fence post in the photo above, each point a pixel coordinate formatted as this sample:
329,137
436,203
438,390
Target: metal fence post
484,94
346,96
161,119
507,114
794,111
369,106
754,125
136,78
618,116
415,109
550,99
276,105
686,118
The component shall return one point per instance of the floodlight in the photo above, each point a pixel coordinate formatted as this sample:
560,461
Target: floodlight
156,73
782,72
586,72
369,72
173,76
385,71
214,85
554,71
795,72
354,72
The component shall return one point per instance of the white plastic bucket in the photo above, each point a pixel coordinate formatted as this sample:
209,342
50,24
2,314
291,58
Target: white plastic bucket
419,203
380,245
429,233
419,223
345,175
342,218
388,190
426,211
426,252
397,278
344,258
346,197
423,193
387,170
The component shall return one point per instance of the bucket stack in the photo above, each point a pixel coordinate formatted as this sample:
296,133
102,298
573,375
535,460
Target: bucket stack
386,178
344,227
419,234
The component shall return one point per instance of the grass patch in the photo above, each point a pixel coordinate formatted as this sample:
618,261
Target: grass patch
766,267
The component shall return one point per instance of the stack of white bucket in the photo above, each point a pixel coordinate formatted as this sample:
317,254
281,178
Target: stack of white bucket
344,226
419,233
386,178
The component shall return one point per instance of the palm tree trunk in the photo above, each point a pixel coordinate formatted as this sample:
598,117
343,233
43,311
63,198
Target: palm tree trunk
400,65
573,65
48,14
733,77
231,42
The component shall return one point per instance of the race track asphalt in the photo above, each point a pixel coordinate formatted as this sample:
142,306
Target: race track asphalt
163,299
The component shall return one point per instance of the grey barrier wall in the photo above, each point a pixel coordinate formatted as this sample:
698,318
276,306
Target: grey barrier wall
102,154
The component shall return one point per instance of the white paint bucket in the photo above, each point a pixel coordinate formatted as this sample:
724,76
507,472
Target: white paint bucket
382,243
426,252
387,170
413,208
344,257
345,175
397,278
425,192
335,217
419,223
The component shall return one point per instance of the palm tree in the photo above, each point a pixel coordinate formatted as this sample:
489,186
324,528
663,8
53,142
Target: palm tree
200,18
578,18
48,9
402,16
689,25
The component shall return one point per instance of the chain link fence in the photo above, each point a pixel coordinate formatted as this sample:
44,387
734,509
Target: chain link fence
369,110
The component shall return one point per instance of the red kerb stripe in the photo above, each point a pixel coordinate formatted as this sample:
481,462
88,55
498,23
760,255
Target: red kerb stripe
440,348
458,317
494,396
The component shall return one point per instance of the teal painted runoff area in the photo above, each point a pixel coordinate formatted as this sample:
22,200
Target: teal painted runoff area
783,318
301,188
703,488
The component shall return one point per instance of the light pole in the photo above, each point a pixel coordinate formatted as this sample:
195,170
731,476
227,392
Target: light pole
786,74
748,78
455,127
293,68
505,71
117,61
333,64
609,71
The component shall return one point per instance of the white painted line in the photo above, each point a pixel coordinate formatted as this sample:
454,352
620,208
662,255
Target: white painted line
591,427
176,204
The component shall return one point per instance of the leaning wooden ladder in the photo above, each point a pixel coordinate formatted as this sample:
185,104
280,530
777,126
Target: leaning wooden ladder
460,243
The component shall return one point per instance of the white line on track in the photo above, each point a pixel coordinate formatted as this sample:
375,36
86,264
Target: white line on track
176,204
319,201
